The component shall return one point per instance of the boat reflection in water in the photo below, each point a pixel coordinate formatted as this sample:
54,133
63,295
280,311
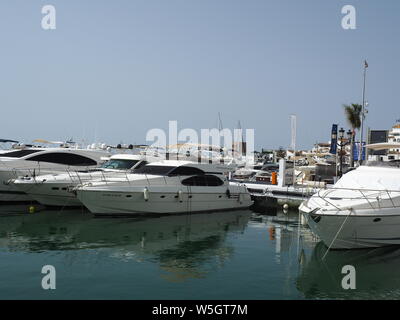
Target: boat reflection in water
283,231
376,274
236,255
180,244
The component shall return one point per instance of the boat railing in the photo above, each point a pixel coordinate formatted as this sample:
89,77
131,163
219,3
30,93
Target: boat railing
126,176
369,195
17,173
71,175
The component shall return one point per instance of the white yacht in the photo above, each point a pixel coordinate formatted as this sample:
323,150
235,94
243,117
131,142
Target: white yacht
55,189
168,186
195,152
246,173
361,210
34,161
6,145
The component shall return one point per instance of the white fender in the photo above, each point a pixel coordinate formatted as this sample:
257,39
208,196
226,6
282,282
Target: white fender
146,194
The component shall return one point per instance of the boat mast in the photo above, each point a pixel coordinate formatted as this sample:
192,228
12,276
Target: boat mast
241,142
220,126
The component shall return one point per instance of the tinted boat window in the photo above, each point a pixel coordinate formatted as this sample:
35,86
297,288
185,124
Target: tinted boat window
214,181
140,164
203,180
64,158
195,181
19,153
186,171
119,164
156,170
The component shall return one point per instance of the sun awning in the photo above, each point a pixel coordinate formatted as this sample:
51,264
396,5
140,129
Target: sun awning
47,142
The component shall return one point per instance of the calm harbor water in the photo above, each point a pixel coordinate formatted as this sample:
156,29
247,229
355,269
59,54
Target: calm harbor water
230,255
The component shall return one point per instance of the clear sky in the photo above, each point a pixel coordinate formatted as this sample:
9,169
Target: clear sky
114,69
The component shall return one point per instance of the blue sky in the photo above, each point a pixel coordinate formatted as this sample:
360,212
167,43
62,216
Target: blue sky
114,69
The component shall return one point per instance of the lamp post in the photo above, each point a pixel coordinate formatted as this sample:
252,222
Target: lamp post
342,144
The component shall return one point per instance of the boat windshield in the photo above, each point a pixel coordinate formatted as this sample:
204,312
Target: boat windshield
155,170
119,164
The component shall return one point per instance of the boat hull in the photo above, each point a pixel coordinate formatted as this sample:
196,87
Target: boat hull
51,194
357,229
11,196
160,202
9,192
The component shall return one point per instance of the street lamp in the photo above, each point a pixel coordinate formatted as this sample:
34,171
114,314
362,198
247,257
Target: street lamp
341,133
342,144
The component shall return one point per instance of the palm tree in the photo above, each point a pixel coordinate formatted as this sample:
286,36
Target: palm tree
353,116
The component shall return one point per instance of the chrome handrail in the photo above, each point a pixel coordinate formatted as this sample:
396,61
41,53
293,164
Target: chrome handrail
377,193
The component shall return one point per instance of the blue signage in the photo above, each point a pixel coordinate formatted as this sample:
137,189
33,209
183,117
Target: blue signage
333,148
356,151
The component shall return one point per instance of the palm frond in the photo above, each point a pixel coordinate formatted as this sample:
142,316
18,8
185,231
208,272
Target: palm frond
353,115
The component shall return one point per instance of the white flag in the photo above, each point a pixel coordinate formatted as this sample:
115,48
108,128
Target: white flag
293,120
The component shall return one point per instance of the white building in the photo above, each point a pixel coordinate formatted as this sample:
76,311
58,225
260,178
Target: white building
394,136
393,153
322,147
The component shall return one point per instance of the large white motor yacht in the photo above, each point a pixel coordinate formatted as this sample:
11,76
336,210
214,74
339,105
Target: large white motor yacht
361,210
55,189
38,161
163,187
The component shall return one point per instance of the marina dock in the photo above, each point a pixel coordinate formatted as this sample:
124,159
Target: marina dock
269,195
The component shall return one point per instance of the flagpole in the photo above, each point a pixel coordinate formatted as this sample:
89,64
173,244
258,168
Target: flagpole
294,133
362,116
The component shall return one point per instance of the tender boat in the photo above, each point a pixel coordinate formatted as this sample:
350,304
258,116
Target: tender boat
34,161
166,187
55,189
361,210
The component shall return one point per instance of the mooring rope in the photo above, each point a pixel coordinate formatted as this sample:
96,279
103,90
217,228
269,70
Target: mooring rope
337,234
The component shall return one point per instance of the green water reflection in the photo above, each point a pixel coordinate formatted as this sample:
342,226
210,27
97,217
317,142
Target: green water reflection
228,255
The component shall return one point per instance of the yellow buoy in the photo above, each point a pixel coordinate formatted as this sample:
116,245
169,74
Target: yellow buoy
32,209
